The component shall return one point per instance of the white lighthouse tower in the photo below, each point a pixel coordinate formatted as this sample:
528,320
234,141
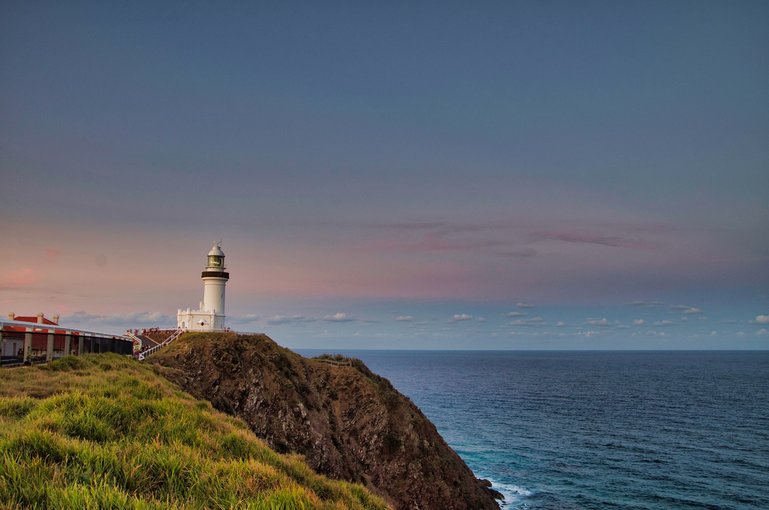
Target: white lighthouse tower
210,316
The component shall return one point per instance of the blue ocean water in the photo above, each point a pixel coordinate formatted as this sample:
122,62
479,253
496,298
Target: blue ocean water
610,429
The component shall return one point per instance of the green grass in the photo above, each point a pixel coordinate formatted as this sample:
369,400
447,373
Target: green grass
104,431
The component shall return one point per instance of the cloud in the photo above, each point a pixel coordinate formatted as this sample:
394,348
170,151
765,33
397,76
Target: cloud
664,323
404,318
762,332
761,319
408,225
599,322
290,319
516,314
434,242
22,277
304,319
639,322
130,319
645,304
588,238
460,317
523,305
532,322
686,310
521,253
242,319
339,317
560,324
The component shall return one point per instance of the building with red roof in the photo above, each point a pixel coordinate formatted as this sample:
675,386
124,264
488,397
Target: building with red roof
36,338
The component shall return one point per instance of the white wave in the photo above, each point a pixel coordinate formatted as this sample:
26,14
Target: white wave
512,493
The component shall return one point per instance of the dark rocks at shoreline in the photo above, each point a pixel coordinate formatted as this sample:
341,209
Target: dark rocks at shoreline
486,484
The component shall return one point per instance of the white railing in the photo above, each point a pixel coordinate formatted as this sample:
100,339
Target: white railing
134,339
165,342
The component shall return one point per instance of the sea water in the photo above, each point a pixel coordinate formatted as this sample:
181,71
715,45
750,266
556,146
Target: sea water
609,429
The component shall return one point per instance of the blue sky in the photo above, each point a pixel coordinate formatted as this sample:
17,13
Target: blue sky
367,162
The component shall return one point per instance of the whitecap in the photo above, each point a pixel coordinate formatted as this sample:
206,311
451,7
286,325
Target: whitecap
513,493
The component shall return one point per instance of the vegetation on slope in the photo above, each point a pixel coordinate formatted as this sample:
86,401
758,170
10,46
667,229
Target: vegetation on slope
104,431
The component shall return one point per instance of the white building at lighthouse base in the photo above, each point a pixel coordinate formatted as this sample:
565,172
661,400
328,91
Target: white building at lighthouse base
199,320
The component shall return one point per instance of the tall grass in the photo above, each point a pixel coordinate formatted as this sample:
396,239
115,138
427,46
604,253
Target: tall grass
104,431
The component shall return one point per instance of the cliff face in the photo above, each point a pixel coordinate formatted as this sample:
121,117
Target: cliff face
348,422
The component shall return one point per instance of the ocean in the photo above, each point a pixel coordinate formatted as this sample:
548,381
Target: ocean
606,429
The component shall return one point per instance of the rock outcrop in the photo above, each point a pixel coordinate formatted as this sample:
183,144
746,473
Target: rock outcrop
348,422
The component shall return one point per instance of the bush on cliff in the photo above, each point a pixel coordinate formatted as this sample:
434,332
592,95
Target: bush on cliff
104,431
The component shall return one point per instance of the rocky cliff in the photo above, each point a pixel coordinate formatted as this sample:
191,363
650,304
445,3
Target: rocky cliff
348,422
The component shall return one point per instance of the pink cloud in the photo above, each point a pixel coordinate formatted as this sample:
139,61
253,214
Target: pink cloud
587,238
432,242
23,277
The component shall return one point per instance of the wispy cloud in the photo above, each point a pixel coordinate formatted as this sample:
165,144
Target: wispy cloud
664,323
305,319
686,310
599,322
404,318
461,317
761,319
339,317
408,225
432,242
517,239
523,305
645,304
290,319
532,322
242,319
590,238
20,278
125,319
639,322
516,314
520,253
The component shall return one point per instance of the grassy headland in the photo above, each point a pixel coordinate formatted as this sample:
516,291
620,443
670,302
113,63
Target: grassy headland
104,431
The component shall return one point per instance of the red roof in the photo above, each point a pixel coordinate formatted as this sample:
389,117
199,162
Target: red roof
33,318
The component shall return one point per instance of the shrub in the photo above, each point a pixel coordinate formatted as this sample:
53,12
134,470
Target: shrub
67,363
16,407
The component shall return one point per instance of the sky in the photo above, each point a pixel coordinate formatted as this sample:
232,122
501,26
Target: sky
393,175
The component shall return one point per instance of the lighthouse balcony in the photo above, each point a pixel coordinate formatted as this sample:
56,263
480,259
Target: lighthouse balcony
215,274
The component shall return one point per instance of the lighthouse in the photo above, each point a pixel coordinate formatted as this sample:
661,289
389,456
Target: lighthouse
210,316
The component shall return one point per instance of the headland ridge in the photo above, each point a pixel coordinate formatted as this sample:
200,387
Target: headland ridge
347,422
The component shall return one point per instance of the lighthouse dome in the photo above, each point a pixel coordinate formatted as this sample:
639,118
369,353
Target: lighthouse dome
216,250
